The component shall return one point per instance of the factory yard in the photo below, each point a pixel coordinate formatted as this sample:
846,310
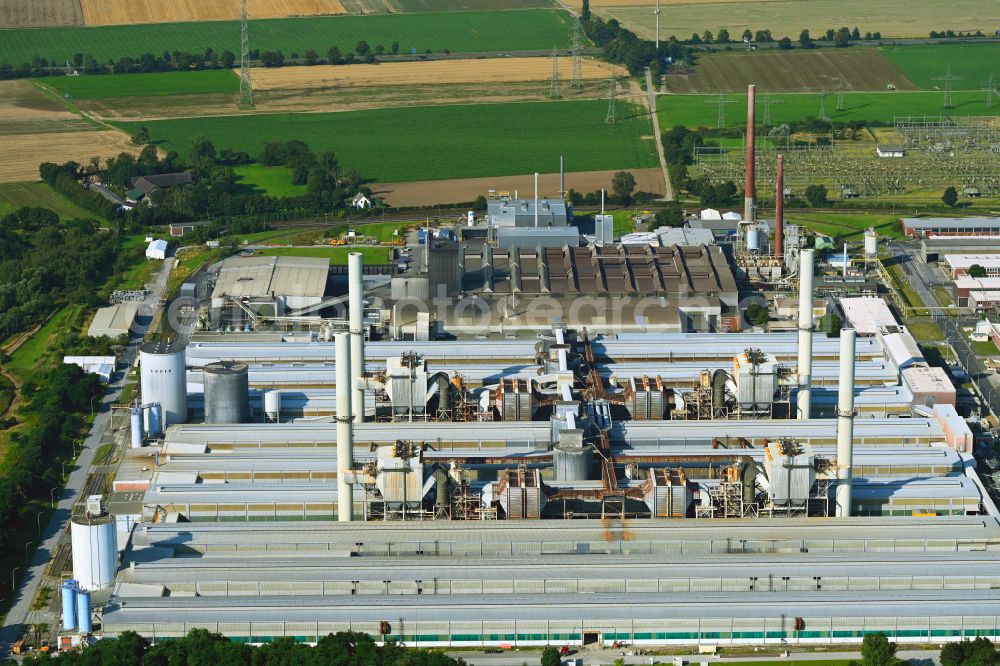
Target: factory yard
483,71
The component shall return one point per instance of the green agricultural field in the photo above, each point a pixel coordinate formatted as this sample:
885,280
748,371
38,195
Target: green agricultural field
145,85
442,142
846,226
274,181
456,31
337,255
972,62
700,110
39,195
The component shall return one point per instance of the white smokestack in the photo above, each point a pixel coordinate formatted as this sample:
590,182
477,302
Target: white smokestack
845,422
356,310
804,398
536,198
345,430
845,261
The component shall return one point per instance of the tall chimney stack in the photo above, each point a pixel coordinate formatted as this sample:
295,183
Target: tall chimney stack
356,314
845,422
750,187
345,429
804,398
536,198
779,211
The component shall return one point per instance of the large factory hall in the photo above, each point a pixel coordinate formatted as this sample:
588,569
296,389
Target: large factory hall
572,487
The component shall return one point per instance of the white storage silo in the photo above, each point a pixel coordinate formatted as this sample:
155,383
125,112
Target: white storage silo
753,239
871,242
272,406
163,377
95,551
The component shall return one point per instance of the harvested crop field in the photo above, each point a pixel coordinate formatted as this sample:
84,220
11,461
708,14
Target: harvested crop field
491,70
792,71
39,13
127,12
391,6
22,100
893,18
24,152
459,190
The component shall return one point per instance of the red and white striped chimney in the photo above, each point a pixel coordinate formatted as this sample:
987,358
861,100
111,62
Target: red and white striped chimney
779,210
750,187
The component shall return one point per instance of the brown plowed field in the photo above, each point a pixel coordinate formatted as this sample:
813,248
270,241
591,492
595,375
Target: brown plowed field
21,100
124,12
798,71
490,70
431,192
24,152
39,13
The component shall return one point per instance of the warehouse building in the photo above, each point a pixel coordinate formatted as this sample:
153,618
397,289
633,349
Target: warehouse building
867,314
114,321
959,264
924,227
270,284
508,212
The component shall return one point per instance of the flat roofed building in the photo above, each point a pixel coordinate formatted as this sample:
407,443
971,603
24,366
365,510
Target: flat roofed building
293,282
867,314
113,321
959,264
950,226
157,249
986,300
521,213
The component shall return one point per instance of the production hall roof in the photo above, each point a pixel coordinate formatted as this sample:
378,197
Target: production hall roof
252,277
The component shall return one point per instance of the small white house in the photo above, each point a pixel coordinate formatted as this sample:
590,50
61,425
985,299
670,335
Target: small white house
982,331
886,150
157,249
361,201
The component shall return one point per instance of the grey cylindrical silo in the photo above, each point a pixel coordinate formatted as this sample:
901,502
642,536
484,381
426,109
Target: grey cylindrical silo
572,461
163,380
227,393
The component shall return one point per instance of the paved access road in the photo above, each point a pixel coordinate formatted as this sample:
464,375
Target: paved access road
17,618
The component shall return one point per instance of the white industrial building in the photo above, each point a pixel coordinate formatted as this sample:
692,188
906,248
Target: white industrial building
114,321
102,366
287,283
867,314
959,264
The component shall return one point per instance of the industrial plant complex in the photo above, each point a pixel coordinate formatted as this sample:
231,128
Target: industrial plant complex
536,436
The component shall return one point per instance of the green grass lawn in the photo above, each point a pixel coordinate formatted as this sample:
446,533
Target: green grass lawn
846,226
985,348
971,62
457,31
144,85
27,356
336,255
382,231
700,110
274,181
925,330
40,195
439,142
7,392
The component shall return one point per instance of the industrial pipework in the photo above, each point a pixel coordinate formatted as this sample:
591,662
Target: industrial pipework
845,422
750,187
345,430
356,313
779,211
802,402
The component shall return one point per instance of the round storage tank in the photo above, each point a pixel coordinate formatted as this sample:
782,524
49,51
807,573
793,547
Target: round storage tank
135,420
163,376
572,462
753,239
83,624
272,406
95,551
871,242
227,393
69,593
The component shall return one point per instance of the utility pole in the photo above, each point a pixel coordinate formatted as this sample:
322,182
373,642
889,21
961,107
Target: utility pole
554,86
948,78
822,104
576,82
246,83
721,102
990,91
840,95
612,116
766,102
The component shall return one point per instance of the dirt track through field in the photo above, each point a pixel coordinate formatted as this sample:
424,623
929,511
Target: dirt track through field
489,70
24,152
39,13
431,192
125,12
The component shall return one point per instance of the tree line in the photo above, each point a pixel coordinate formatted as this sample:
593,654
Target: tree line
203,647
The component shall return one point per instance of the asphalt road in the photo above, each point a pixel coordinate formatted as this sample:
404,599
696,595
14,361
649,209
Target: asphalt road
18,616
